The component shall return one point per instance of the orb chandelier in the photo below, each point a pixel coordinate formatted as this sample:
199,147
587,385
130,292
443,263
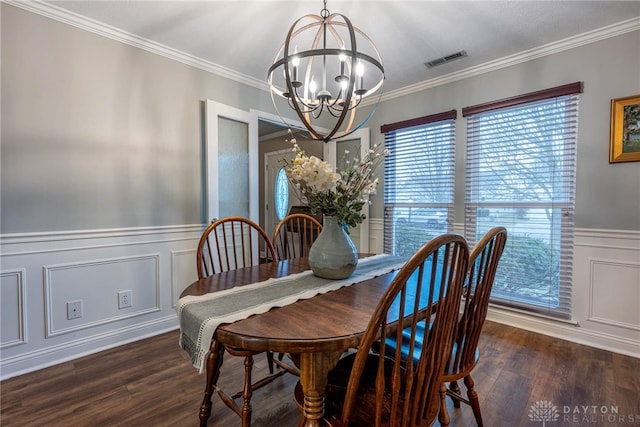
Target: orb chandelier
324,70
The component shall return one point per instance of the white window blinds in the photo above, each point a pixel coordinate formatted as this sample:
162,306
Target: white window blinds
520,173
418,181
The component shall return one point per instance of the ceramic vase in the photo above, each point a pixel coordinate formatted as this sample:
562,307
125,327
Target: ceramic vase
333,254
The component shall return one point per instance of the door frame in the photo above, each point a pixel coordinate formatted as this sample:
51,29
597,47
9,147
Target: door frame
330,153
213,110
268,188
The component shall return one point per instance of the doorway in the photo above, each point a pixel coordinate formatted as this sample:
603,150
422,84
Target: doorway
273,148
277,203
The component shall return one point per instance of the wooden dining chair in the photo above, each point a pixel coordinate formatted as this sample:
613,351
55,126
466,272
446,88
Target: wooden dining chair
483,263
294,235
227,244
293,238
373,389
230,243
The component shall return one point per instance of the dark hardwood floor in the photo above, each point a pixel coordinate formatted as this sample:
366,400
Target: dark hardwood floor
152,383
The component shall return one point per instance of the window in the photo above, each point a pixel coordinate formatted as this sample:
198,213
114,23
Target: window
281,194
520,173
418,181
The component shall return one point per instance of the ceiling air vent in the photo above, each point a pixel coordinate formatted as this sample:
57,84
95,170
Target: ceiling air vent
445,59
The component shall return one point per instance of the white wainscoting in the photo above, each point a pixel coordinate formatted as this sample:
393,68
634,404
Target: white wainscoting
606,292
376,235
41,272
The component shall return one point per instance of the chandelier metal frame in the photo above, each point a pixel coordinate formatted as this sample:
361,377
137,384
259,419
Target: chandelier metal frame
301,95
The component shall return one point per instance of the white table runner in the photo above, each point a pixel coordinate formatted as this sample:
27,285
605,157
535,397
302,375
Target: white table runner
200,315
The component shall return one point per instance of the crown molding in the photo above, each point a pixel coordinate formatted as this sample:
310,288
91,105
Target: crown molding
527,55
54,12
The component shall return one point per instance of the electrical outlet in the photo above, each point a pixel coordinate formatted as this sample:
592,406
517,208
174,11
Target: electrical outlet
74,309
124,299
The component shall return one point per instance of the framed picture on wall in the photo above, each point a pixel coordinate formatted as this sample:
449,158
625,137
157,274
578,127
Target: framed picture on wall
624,145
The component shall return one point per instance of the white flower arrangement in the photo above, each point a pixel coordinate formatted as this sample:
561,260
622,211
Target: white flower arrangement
338,194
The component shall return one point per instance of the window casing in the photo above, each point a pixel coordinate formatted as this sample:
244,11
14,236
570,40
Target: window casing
418,181
520,173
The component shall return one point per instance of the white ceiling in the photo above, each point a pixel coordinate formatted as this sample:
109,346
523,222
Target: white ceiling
243,36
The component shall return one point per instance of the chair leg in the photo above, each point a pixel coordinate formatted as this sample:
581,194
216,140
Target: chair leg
473,399
443,414
247,392
455,388
270,361
213,364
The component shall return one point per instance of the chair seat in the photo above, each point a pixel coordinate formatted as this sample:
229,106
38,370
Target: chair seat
390,343
452,370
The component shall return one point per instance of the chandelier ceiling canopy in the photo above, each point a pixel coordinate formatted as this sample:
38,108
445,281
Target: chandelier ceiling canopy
323,71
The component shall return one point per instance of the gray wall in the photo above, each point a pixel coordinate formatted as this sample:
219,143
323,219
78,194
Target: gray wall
608,195
97,134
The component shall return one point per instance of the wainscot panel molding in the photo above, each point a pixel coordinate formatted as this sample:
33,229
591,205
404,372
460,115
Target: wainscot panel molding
14,324
606,291
42,272
138,274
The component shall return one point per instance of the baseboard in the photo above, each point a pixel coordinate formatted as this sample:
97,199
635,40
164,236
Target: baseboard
49,356
565,330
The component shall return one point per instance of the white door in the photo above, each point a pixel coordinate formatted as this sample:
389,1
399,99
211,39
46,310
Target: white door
273,197
334,152
231,162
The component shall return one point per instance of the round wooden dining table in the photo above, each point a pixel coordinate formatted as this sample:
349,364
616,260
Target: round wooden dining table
318,329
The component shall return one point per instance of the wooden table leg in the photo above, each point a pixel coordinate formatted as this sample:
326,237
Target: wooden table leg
314,369
214,361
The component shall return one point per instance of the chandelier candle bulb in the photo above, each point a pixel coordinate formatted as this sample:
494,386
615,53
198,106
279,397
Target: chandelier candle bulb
295,62
360,73
312,88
